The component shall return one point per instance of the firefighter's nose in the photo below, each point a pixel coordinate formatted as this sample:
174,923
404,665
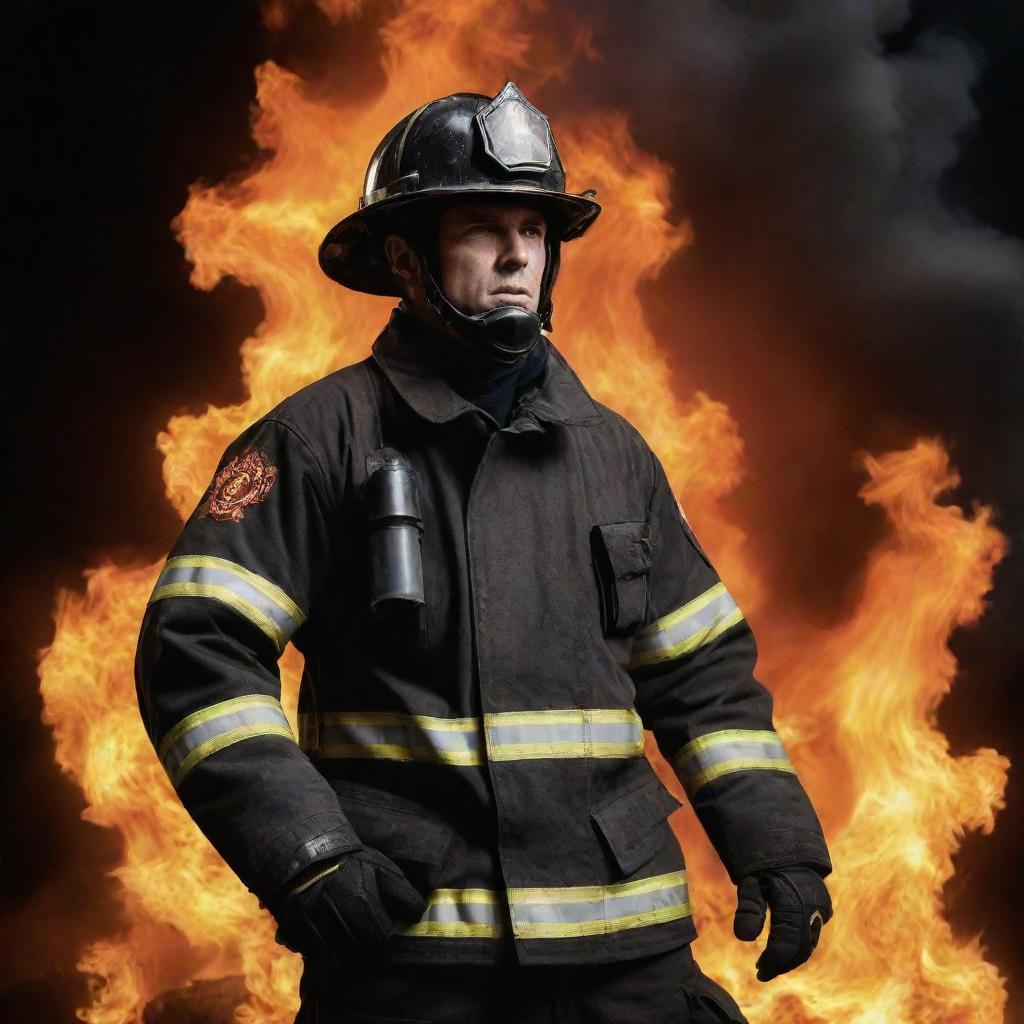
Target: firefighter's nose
515,255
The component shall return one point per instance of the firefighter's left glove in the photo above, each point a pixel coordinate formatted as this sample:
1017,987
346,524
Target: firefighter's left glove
345,908
799,905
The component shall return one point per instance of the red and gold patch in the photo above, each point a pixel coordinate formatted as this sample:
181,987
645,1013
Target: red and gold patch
244,481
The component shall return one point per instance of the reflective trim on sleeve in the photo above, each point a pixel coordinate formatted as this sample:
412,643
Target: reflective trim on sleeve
461,914
211,729
392,736
598,909
263,603
582,732
686,629
731,750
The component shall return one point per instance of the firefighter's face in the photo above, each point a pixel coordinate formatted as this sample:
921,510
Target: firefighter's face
491,254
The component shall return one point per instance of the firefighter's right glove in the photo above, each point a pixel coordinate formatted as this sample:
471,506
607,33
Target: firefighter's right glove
799,904
346,907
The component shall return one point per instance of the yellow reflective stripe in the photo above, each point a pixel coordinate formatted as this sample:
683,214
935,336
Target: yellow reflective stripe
739,765
396,718
395,752
225,740
722,736
213,728
225,707
711,740
688,628
264,586
572,716
460,914
461,897
705,637
263,603
529,751
395,736
509,735
570,732
551,930
584,893
554,913
686,610
719,753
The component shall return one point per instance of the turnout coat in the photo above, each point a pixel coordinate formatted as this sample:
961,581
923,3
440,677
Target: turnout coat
492,744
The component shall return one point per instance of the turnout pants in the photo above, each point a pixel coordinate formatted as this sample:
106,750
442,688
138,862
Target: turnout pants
666,988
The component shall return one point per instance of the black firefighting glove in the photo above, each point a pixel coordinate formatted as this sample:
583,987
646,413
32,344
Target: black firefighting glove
800,905
342,908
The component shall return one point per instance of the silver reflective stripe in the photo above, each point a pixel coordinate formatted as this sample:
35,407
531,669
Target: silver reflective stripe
686,629
511,735
399,737
598,909
213,728
583,732
461,913
260,601
730,750
558,913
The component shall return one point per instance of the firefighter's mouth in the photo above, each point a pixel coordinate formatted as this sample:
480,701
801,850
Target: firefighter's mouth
511,297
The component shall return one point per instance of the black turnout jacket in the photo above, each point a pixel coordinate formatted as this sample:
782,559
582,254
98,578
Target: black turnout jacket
491,743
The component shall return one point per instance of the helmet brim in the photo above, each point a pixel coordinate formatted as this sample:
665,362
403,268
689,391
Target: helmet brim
353,254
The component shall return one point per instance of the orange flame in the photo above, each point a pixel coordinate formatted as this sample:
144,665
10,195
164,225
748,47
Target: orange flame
855,704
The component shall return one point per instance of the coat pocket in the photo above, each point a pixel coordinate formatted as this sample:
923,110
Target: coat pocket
621,554
633,823
411,835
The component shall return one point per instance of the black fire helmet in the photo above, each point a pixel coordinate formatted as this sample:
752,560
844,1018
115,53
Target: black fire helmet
452,149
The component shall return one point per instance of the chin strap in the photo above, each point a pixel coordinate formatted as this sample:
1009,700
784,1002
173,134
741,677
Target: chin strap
507,333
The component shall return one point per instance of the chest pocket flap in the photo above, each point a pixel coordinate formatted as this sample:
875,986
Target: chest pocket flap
622,560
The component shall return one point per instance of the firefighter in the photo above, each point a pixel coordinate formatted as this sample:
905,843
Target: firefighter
495,593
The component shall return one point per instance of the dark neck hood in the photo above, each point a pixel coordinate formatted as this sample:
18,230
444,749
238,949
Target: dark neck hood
474,373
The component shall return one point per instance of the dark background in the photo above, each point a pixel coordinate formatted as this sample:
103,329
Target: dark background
115,108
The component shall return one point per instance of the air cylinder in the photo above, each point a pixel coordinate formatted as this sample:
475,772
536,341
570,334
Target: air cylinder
395,528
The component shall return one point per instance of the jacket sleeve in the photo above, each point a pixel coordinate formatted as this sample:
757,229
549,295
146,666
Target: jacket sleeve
693,667
239,582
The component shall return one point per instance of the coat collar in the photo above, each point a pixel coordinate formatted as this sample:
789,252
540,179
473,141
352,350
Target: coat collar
558,397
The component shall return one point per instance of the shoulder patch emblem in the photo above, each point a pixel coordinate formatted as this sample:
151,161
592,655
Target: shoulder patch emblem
244,481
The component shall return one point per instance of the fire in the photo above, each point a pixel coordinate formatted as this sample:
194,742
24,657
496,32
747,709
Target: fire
861,710
856,704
